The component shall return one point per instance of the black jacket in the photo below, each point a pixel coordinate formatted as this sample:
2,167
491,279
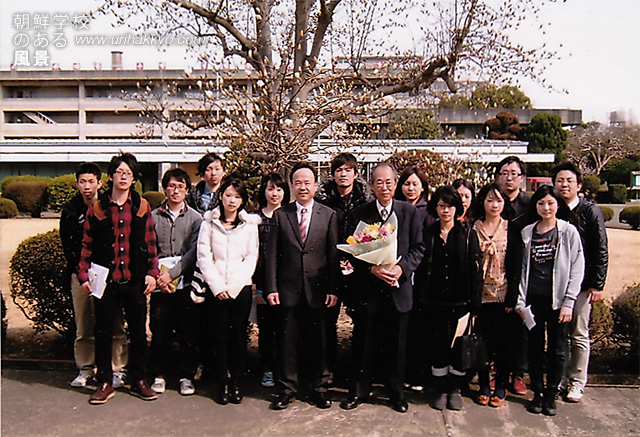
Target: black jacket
468,258
71,231
194,199
329,196
588,219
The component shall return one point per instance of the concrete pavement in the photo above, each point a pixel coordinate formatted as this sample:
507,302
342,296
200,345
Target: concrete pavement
39,403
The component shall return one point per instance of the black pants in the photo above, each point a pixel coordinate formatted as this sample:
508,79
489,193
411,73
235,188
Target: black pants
267,335
442,323
302,346
518,344
227,322
546,320
131,298
172,312
377,320
493,326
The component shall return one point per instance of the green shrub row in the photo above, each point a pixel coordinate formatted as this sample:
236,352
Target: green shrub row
34,194
8,208
631,216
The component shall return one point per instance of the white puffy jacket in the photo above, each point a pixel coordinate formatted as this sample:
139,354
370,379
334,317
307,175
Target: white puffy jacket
227,257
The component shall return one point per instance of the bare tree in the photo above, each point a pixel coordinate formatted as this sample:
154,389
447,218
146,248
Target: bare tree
308,61
593,146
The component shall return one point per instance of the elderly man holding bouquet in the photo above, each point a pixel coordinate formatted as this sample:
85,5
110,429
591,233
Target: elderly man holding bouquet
384,286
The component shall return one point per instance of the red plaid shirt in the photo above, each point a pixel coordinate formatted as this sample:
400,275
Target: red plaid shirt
121,217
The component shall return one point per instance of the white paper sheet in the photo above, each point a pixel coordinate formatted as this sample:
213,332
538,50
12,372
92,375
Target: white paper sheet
460,327
165,264
528,318
98,279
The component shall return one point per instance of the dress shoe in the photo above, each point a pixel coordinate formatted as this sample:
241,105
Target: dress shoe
281,402
549,406
235,397
143,391
535,406
102,395
223,394
351,402
399,405
319,399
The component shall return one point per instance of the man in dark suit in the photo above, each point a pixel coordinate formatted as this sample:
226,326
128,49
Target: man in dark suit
301,274
385,293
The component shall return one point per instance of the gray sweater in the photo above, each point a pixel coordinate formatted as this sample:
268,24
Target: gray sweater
568,267
178,238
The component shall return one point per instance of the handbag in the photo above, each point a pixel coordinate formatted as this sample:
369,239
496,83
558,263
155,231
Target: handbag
470,349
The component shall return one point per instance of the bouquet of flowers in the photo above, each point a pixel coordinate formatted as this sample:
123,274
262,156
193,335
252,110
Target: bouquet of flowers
375,243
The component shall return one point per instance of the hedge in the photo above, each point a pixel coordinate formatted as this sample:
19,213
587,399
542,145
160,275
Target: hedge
26,178
60,191
626,321
617,193
29,196
155,198
607,213
631,216
8,208
37,283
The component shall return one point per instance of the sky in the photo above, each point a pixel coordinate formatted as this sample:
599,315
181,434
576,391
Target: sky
597,43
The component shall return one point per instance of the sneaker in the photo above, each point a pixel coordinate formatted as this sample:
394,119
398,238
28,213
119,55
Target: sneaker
102,395
81,380
186,387
519,386
159,385
574,394
142,390
118,379
267,379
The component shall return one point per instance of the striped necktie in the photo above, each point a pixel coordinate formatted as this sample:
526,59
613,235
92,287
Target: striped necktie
303,224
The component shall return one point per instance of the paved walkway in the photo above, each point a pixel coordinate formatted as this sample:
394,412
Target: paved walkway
40,403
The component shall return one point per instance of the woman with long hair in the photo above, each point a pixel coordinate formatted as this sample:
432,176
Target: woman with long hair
467,191
227,257
500,247
552,272
273,193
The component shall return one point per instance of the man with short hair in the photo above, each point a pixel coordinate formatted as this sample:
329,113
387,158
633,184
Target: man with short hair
119,235
301,277
204,196
588,219
72,221
510,173
177,227
342,193
385,293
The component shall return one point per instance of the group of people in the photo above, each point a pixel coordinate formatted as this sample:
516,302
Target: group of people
496,258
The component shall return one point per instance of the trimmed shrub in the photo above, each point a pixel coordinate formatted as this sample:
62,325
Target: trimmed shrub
600,324
155,198
60,191
626,321
8,208
29,196
617,193
607,213
36,274
590,186
631,216
26,178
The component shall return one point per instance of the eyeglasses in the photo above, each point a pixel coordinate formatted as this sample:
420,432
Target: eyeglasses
176,187
506,174
123,173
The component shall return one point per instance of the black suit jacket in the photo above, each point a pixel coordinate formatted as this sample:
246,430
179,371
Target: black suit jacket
410,248
294,267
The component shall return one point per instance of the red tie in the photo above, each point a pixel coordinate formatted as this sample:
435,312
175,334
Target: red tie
303,224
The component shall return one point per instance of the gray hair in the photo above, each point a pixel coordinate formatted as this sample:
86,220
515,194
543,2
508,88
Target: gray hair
381,165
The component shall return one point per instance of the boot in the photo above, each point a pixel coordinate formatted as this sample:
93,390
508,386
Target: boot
440,388
454,397
234,391
223,392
